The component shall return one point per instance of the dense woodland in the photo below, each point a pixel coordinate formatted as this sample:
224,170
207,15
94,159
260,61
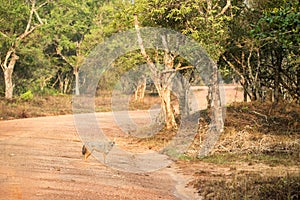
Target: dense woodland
43,43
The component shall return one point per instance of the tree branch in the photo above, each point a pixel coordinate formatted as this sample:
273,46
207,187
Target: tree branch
164,41
176,69
236,60
30,17
143,51
8,55
232,67
58,52
228,4
3,34
26,33
185,67
38,17
40,6
36,13
29,29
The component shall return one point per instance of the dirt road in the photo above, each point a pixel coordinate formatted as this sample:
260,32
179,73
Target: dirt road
41,159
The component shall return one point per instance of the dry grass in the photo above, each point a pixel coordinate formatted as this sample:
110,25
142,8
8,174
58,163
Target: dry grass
36,107
40,106
251,186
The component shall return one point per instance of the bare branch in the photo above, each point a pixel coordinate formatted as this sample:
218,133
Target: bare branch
226,7
40,6
58,52
209,5
3,34
30,29
249,62
25,34
168,71
232,67
143,51
260,114
1,64
36,13
185,67
236,60
30,17
8,55
38,17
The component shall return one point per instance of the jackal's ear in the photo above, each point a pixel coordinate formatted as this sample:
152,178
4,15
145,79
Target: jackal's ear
114,141
83,150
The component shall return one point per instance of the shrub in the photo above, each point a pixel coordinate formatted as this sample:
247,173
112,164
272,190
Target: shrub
27,96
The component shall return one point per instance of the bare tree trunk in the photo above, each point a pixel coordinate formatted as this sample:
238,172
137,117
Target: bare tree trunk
245,89
277,74
209,97
217,123
140,90
162,80
76,74
217,109
66,85
8,83
182,89
8,72
165,95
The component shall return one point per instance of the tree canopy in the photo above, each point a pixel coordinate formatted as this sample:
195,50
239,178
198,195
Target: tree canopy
43,43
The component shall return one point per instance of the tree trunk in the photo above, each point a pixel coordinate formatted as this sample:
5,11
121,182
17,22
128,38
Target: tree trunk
209,97
168,112
181,87
162,80
66,85
217,109
217,122
8,72
76,74
8,83
245,93
277,74
140,90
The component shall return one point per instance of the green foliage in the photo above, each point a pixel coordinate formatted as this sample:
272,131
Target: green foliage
27,96
13,18
192,18
117,16
281,26
72,31
261,31
277,35
263,49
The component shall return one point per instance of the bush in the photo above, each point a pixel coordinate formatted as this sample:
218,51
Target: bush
27,96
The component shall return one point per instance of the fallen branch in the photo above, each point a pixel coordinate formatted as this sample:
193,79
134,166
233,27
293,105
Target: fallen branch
260,114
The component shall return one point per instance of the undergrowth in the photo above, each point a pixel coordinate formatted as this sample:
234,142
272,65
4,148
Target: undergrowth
251,186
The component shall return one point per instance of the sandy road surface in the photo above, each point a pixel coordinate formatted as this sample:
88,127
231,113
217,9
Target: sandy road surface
41,159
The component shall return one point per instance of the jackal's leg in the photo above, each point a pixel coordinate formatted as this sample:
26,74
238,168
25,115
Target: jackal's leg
87,154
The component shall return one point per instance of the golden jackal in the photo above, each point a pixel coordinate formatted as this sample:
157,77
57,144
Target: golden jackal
102,147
